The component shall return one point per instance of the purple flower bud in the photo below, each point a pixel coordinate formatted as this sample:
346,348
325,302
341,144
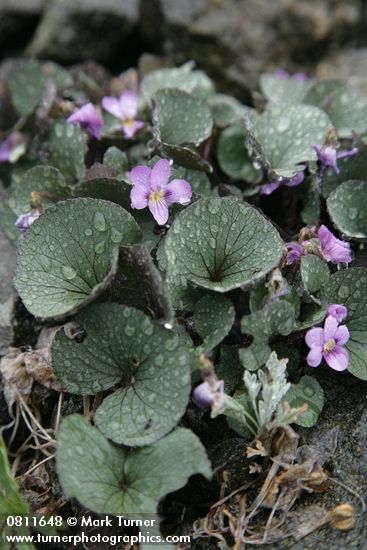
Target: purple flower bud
327,343
338,311
299,77
295,251
268,188
24,221
89,118
332,249
328,157
12,147
209,393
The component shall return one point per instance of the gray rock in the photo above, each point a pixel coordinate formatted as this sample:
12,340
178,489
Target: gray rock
7,292
236,40
86,29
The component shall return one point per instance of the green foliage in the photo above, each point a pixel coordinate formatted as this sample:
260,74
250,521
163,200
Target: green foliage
308,391
282,137
69,254
347,206
116,159
349,287
108,479
346,108
226,110
26,88
233,157
221,244
122,345
67,145
276,318
314,272
213,318
283,91
351,168
46,181
182,78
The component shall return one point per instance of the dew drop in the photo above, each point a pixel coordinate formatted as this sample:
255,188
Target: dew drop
99,221
68,272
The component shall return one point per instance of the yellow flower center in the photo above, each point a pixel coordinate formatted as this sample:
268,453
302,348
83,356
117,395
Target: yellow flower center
329,346
156,196
129,122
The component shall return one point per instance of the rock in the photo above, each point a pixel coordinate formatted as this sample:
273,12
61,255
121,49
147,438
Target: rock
7,292
87,29
236,40
18,19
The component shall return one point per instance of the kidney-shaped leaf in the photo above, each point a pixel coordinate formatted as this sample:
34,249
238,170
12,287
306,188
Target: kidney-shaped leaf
26,87
214,316
45,181
184,78
111,480
349,287
308,391
221,244
346,108
68,254
67,150
123,345
347,206
180,118
285,136
314,272
283,91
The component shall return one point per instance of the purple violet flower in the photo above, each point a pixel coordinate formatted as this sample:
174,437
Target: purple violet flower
327,343
12,148
89,118
332,249
281,73
209,393
338,311
125,108
24,221
151,188
269,188
295,251
328,157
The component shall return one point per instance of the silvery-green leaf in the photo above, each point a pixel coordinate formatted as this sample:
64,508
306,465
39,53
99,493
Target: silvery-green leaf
59,76
351,168
198,180
110,189
124,346
110,479
183,78
314,272
46,181
312,314
283,91
230,368
221,244
276,318
69,254
139,284
349,287
226,110
184,155
345,106
213,318
309,192
347,207
116,159
180,118
282,137
8,217
26,88
233,157
308,391
67,144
